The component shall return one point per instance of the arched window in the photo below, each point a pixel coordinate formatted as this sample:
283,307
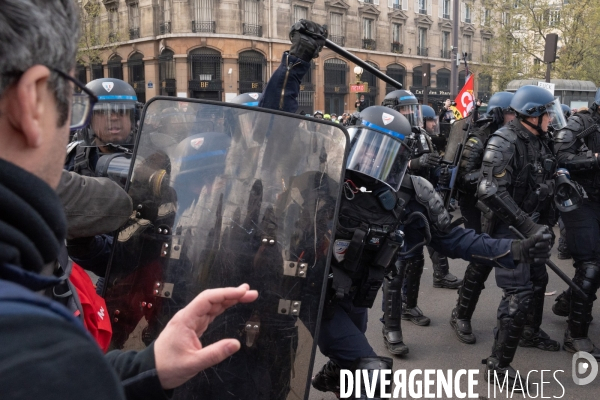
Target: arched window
80,73
396,72
418,76
115,67
137,75
336,85
97,69
166,73
252,66
443,79
205,74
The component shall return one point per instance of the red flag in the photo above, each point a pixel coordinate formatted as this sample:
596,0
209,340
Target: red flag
465,101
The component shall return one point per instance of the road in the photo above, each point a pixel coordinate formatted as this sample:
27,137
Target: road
436,346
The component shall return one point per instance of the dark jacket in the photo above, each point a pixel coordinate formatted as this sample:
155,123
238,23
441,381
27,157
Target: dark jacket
45,352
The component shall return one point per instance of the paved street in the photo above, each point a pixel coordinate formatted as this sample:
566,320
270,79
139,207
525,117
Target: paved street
436,346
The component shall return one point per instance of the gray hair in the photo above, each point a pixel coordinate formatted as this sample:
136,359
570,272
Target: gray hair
36,32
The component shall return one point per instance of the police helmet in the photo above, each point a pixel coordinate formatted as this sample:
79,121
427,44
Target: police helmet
430,121
566,110
407,104
380,145
500,99
534,101
248,99
318,114
113,119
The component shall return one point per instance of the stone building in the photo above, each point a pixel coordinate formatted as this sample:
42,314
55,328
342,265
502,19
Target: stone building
216,49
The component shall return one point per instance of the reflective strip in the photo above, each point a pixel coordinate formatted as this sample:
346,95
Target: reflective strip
203,155
408,98
251,104
117,97
384,130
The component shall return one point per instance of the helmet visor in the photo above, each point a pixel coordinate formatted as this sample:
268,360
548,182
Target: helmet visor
557,118
378,155
113,123
413,113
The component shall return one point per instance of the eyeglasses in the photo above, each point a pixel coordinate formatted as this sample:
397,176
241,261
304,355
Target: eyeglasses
82,103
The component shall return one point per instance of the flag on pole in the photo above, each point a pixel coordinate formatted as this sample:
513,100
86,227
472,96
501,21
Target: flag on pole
465,101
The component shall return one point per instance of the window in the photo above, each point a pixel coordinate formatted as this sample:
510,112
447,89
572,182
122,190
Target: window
165,25
396,5
422,6
97,70
203,16
487,17
467,46
397,46
445,9
422,42
300,13
137,75
468,8
115,68
166,73
505,19
336,32
134,21
443,79
552,17
445,45
536,61
418,77
252,66
486,50
252,24
367,28
113,25
397,72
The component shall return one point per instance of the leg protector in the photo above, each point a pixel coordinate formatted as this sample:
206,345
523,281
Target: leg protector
468,294
533,335
562,304
509,330
371,364
414,270
328,378
392,309
442,278
587,276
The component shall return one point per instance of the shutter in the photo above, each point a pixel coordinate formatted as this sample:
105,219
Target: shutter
440,8
429,7
391,3
463,12
416,6
451,10
405,5
376,2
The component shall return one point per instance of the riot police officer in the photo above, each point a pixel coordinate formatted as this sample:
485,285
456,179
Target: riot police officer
250,99
515,185
498,114
577,147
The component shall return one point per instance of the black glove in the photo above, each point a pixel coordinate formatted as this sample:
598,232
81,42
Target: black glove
308,38
427,160
529,228
535,249
444,179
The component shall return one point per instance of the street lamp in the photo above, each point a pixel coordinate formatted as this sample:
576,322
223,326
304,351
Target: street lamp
358,72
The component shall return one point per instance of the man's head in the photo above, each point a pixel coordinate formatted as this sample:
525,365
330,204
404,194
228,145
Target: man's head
536,108
36,37
447,103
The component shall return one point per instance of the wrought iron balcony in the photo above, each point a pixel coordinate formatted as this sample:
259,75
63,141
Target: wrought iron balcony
339,40
369,44
446,16
252,30
204,26
422,51
134,33
164,28
446,54
113,37
397,7
422,11
397,48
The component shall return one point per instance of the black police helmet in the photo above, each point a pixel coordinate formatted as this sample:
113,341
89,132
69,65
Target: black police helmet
566,110
399,98
248,99
380,118
531,101
500,100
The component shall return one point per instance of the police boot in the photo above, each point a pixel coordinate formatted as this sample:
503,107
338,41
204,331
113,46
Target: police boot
468,295
414,270
328,378
372,364
505,346
442,278
533,335
392,308
562,304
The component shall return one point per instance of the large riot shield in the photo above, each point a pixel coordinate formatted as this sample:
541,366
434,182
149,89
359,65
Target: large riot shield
226,194
455,138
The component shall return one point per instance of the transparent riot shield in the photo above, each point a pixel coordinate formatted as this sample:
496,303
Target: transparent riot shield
226,194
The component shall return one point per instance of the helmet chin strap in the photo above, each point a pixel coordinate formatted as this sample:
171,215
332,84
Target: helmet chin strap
537,127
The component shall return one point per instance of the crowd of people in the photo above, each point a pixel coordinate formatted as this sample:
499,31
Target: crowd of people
58,216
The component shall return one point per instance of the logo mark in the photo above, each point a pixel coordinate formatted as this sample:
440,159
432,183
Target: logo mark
197,143
101,313
387,118
583,366
108,86
253,95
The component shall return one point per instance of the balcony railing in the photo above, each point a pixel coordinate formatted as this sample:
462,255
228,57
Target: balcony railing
422,51
204,26
422,11
252,30
368,1
397,48
397,6
446,16
134,33
446,54
369,44
164,28
468,20
339,40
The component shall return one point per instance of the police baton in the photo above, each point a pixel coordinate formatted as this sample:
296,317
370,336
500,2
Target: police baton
351,57
556,270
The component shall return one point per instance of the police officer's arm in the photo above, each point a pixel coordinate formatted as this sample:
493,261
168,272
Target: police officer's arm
470,162
567,147
496,175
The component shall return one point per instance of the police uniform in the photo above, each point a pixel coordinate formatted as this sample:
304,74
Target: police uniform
576,149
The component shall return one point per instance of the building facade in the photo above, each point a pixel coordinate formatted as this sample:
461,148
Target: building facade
217,49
